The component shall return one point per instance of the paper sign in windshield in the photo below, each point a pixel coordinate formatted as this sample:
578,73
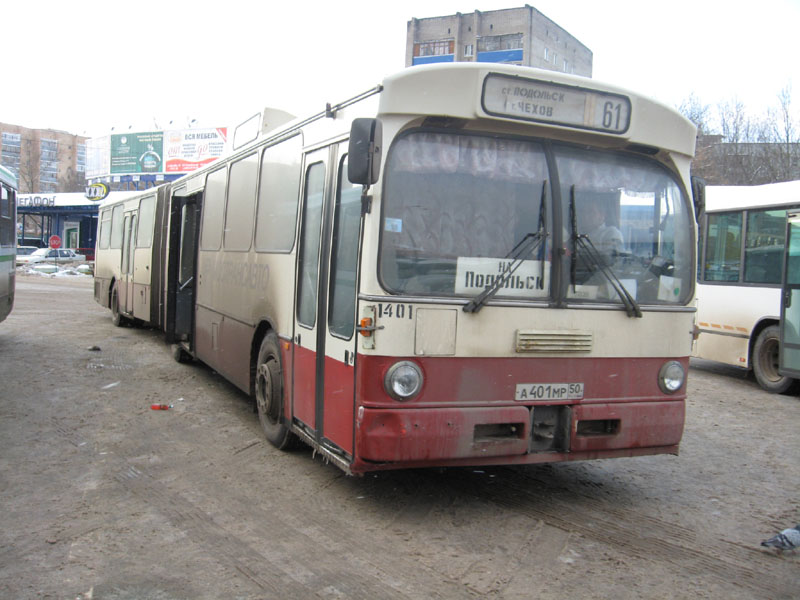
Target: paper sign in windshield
476,274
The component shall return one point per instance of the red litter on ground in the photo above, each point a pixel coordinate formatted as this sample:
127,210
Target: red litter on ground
160,406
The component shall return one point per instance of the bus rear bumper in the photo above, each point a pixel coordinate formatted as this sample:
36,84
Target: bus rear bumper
516,434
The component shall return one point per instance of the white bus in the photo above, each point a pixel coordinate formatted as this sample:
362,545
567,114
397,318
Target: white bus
129,257
8,240
469,264
740,275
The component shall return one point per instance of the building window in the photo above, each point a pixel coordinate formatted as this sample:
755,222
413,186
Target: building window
546,55
48,165
81,159
438,48
12,144
566,67
492,43
49,149
469,50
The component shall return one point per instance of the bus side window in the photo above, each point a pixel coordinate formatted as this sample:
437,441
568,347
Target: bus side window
7,232
241,202
308,266
763,253
276,218
105,228
213,210
117,225
344,258
723,247
144,233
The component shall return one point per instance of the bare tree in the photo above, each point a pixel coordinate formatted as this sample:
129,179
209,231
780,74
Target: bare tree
29,157
697,112
746,149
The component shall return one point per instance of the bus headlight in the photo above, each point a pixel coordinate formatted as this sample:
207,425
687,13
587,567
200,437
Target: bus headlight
671,377
403,380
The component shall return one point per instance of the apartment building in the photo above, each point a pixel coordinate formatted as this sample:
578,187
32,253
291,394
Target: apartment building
44,160
521,36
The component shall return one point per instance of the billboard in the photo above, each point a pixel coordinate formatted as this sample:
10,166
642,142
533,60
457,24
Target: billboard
189,149
140,152
173,152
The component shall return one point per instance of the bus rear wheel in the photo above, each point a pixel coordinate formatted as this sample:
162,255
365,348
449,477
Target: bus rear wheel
117,318
269,394
765,362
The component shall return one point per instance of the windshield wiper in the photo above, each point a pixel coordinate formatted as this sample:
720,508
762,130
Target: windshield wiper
527,245
582,241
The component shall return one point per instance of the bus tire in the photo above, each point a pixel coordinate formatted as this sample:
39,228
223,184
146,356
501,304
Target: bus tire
117,318
765,362
179,354
269,394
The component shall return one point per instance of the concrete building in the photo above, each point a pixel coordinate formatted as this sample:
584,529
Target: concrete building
44,160
521,36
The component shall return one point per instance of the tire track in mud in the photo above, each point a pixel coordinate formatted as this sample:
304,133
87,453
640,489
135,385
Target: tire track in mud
641,536
303,543
199,526
295,566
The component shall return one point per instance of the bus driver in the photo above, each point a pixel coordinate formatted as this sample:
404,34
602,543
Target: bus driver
607,239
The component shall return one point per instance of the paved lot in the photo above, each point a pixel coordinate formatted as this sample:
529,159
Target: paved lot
101,497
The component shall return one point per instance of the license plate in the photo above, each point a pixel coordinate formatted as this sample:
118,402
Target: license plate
548,391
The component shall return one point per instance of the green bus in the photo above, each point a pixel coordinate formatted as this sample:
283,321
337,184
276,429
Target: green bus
8,239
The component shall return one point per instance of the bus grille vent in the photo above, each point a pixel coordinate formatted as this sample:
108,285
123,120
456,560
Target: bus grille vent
554,341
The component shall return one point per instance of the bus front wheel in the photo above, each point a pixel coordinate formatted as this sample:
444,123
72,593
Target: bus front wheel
765,362
269,394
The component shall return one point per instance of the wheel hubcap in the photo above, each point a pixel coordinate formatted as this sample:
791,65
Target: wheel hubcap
769,360
267,405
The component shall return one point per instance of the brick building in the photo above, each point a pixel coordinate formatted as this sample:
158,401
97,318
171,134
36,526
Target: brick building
44,160
521,36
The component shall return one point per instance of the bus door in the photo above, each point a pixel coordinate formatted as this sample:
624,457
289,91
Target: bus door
182,268
789,361
338,399
325,312
126,268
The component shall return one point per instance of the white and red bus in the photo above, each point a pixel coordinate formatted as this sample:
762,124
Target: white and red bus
470,264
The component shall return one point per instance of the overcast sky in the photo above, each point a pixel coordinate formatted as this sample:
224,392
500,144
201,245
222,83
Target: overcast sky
86,66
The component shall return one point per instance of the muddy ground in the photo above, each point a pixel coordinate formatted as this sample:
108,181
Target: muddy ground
101,497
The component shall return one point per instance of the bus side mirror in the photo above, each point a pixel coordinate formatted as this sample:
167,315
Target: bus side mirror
364,151
699,196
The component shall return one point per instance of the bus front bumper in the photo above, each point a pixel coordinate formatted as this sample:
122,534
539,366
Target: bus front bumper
518,434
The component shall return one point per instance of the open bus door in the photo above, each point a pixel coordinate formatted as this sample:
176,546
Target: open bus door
789,360
183,235
126,296
325,312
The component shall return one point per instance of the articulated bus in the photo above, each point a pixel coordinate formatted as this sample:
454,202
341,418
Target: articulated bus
8,240
129,258
739,280
469,264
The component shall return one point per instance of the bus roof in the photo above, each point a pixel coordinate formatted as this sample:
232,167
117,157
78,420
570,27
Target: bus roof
732,197
7,177
437,90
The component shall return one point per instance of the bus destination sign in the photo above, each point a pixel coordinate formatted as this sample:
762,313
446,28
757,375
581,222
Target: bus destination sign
531,100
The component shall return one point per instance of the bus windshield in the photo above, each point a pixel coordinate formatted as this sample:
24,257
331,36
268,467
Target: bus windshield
628,221
457,207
